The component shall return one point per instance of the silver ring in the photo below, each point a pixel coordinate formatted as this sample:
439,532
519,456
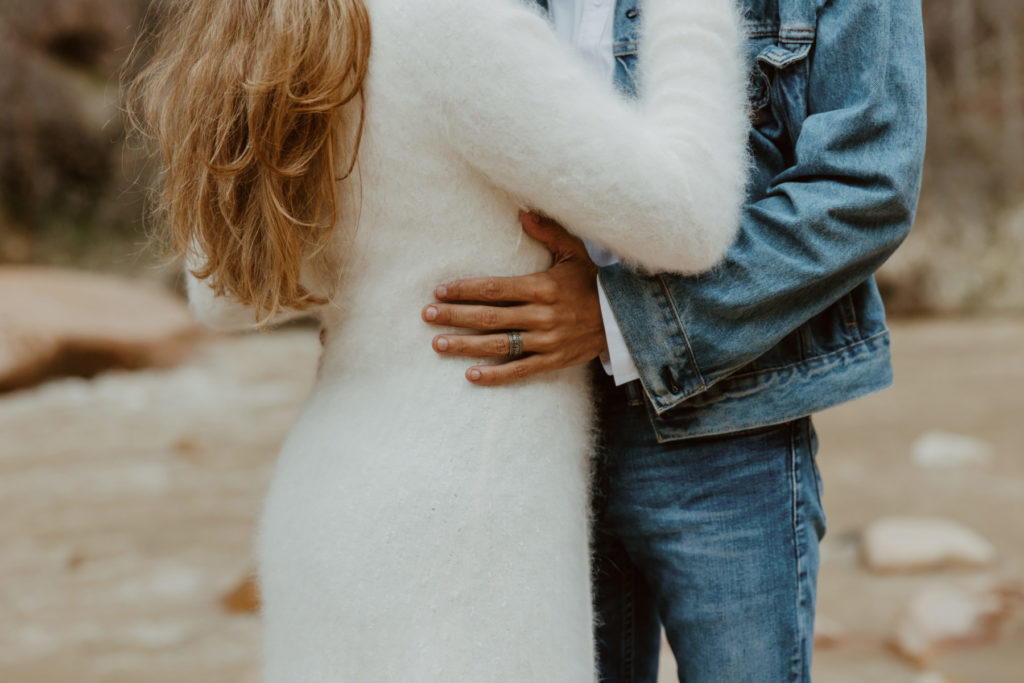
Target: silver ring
515,345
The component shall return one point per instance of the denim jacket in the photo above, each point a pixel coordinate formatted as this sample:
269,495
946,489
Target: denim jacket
791,322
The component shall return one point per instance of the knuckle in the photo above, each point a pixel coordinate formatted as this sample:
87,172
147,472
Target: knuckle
489,317
546,292
491,288
520,371
547,319
547,342
499,345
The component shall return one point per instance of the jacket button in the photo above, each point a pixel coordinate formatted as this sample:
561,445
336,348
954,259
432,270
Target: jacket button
632,13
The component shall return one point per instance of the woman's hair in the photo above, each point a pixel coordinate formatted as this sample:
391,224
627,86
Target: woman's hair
244,99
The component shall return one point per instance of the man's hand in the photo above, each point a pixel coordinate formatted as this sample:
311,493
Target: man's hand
557,312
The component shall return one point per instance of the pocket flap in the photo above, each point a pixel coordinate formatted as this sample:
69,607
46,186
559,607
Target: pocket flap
780,57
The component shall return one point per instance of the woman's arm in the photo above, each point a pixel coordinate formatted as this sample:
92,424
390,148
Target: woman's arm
224,313
660,183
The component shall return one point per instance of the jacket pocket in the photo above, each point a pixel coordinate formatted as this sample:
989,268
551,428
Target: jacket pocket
779,84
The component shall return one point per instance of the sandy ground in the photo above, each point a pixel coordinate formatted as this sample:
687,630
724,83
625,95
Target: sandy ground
127,505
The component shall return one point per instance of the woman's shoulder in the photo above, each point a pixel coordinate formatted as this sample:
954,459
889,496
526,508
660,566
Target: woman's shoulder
442,41
451,19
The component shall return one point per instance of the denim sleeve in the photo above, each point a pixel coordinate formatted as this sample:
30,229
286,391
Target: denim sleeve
843,203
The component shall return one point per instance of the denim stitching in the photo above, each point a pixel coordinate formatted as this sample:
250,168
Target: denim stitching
785,34
686,341
849,313
810,361
817,360
794,463
628,627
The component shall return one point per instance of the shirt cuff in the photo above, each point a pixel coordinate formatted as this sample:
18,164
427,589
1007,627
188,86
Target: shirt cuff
617,361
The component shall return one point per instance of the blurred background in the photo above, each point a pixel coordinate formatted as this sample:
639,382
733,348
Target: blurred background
135,449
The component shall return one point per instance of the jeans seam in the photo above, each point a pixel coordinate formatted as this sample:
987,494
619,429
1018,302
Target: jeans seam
794,463
628,628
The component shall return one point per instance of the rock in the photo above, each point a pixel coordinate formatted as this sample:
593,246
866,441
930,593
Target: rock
828,633
932,677
944,616
64,164
841,550
169,581
83,33
944,449
920,543
251,677
949,264
243,598
156,635
51,137
58,322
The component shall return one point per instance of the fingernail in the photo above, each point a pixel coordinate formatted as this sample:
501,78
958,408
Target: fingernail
474,375
431,313
441,292
442,344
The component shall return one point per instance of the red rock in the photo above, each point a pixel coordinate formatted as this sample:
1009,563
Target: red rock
57,322
243,598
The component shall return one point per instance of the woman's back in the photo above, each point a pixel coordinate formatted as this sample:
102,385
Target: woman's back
419,527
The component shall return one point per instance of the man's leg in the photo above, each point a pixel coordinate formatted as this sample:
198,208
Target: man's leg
723,534
628,632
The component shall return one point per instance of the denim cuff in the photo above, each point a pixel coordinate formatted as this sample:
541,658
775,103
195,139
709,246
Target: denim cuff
654,336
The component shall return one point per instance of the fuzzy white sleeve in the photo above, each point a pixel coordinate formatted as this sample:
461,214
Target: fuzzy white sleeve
223,313
658,182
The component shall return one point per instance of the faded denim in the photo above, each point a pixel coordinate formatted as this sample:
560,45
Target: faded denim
791,322
708,499
716,538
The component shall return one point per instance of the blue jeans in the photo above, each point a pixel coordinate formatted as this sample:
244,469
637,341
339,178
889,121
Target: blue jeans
714,538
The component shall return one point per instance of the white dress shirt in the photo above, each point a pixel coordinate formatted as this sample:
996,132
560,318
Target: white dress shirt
588,25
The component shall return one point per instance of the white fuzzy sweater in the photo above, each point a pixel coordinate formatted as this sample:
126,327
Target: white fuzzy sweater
418,527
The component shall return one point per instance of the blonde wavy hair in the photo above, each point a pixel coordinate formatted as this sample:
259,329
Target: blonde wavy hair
244,100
